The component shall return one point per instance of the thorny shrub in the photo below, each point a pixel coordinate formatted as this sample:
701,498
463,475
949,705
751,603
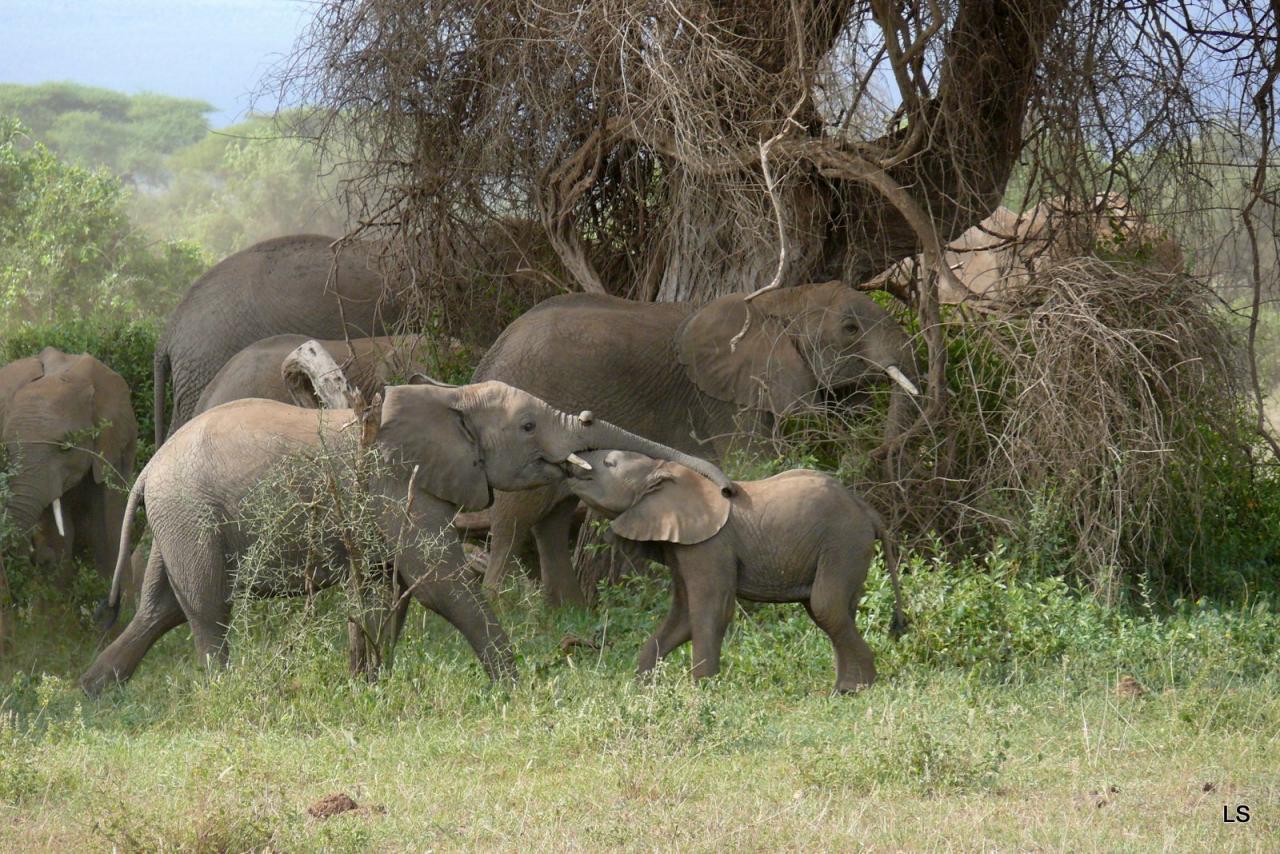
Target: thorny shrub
315,514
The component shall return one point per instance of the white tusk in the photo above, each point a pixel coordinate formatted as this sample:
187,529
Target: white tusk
57,517
579,462
901,379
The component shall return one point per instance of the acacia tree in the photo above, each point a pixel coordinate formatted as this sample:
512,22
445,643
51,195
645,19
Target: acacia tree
685,149
674,139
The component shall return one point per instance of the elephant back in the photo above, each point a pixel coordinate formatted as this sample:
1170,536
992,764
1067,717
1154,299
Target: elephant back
612,356
292,284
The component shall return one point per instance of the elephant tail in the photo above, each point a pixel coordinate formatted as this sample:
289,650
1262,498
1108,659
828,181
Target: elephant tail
898,625
159,375
108,610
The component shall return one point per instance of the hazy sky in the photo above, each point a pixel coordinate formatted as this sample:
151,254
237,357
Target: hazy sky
215,50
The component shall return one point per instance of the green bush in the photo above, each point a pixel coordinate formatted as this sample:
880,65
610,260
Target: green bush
67,247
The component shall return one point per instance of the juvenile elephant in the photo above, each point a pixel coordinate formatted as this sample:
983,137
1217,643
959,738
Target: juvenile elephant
799,536
683,375
447,446
69,432
369,364
296,284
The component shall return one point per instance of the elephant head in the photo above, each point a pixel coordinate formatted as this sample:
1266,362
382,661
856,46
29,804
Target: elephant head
776,351
650,499
469,440
66,424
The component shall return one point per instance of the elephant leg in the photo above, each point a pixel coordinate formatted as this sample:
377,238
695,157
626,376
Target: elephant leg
711,604
559,581
832,604
158,612
97,514
202,586
512,518
6,612
449,590
674,632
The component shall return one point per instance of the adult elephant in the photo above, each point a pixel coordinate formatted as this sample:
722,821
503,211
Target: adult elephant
70,437
682,375
297,284
369,364
443,448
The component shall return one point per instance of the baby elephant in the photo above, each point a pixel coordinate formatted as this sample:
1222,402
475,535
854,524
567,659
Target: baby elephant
799,536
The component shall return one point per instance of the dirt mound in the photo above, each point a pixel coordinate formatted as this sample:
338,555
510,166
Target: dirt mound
334,804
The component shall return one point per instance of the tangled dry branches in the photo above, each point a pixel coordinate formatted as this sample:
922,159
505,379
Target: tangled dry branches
1095,415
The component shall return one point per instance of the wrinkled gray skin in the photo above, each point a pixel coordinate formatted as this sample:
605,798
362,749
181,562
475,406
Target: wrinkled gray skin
46,402
464,442
799,536
369,363
673,372
284,285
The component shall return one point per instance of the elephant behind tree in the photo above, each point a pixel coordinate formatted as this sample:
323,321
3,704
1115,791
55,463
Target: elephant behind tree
293,284
799,536
369,364
995,260
446,447
70,436
685,376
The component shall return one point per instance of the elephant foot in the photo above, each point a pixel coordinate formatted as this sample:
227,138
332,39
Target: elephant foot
564,599
851,688
95,681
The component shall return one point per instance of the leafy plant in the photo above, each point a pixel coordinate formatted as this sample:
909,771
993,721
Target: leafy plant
67,247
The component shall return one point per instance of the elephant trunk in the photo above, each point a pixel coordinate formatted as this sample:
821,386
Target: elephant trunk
593,434
24,509
31,490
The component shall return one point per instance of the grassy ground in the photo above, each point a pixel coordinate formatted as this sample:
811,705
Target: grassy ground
1014,716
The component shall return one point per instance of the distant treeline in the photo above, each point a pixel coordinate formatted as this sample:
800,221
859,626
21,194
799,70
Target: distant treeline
217,191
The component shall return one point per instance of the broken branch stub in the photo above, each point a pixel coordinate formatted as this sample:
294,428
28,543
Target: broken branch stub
311,374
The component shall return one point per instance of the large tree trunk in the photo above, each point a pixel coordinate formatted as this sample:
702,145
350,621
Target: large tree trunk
711,253
838,225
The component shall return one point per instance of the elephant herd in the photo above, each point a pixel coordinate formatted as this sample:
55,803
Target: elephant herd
624,406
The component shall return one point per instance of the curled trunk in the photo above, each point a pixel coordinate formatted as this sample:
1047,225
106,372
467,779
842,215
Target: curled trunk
603,435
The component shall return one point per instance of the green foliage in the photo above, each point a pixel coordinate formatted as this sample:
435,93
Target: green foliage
128,135
973,701
67,248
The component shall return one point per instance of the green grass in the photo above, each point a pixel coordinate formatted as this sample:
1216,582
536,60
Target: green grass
997,724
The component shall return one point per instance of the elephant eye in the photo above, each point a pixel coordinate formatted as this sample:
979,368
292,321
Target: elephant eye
527,426
851,324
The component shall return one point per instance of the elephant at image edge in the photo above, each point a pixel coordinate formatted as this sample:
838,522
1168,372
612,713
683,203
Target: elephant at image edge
462,442
799,536
675,373
369,363
47,402
292,284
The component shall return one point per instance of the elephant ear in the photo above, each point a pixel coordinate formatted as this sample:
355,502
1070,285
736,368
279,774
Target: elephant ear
678,506
420,427
759,368
114,426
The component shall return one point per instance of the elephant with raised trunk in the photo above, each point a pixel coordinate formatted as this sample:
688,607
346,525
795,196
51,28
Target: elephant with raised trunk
447,447
298,284
70,436
799,536
685,376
